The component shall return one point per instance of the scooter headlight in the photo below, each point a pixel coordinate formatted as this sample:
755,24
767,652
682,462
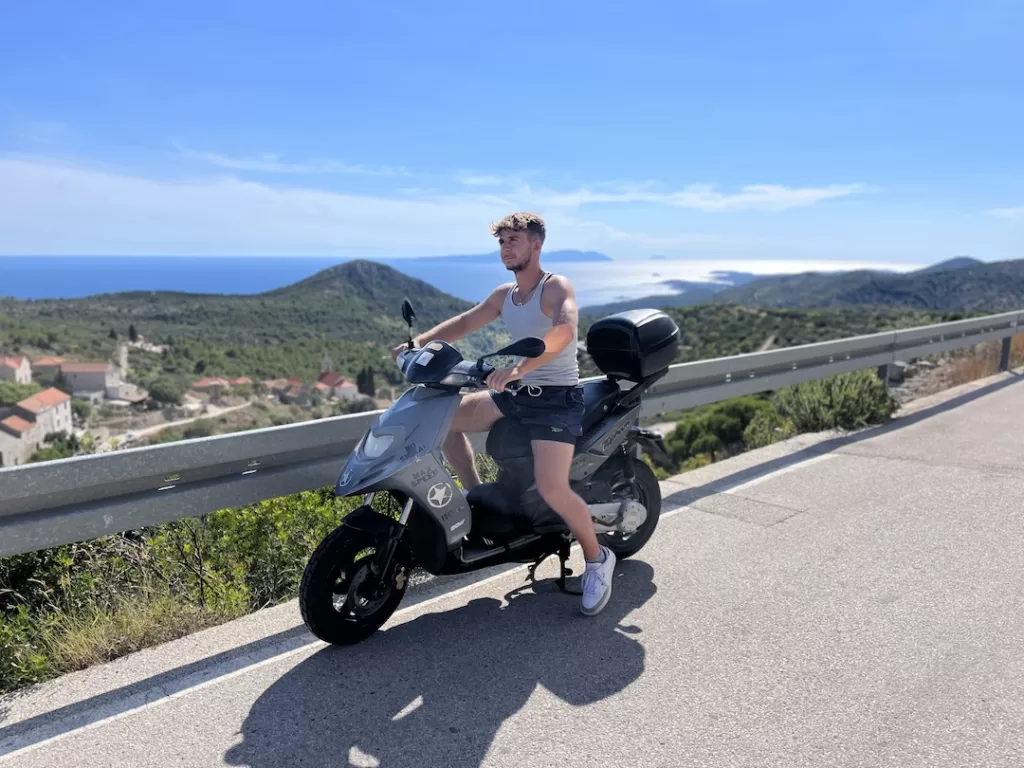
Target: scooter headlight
375,445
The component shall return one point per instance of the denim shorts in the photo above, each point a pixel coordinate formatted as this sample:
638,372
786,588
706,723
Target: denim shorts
554,413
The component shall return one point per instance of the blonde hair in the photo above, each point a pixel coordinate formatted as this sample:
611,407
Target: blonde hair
530,222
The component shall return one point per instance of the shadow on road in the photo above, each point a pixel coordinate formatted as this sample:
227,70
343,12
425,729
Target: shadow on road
435,690
692,495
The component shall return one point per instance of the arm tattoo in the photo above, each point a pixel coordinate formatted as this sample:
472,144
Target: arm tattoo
566,312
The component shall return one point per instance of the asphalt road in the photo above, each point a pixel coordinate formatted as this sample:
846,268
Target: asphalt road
829,602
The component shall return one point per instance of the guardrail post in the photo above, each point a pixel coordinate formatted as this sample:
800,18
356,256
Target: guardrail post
1004,356
884,371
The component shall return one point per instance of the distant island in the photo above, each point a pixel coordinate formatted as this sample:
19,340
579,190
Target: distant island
494,256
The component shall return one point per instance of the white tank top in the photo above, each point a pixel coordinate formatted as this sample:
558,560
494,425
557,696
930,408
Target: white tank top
530,320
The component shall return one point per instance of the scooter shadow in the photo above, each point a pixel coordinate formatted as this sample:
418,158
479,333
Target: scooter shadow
435,690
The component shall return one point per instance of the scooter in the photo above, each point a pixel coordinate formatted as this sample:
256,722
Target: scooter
358,574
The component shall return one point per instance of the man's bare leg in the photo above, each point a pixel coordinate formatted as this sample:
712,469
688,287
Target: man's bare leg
476,413
551,462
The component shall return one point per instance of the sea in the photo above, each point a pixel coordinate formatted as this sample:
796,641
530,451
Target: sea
596,282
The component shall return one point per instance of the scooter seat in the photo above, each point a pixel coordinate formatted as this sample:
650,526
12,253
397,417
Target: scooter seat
598,398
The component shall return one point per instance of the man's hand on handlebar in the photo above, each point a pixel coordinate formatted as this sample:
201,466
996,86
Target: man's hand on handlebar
395,351
499,377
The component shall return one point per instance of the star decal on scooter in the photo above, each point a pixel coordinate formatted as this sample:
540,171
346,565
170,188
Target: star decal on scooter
439,495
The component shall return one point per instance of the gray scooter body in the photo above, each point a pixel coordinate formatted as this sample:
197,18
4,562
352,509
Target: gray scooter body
412,464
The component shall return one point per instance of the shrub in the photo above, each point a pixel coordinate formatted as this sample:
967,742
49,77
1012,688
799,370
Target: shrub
768,426
713,430
846,401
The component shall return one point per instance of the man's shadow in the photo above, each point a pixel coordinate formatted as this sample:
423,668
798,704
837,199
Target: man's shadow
435,690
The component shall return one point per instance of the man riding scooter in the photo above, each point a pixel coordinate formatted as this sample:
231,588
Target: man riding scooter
541,394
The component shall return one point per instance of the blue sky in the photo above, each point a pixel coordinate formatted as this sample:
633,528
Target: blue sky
872,131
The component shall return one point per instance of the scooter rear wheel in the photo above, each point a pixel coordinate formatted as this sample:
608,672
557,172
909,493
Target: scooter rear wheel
332,596
649,494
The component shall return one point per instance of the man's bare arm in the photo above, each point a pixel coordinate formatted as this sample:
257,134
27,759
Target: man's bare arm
465,323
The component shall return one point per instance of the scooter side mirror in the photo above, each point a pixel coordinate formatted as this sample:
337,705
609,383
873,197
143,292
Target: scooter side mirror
528,347
408,313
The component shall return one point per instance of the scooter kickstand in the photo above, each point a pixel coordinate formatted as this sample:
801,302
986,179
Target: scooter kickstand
563,558
531,575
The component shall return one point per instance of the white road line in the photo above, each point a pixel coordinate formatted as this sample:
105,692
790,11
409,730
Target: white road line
758,480
7,756
779,472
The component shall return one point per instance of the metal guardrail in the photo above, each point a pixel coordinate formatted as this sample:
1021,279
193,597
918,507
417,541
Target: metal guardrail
80,498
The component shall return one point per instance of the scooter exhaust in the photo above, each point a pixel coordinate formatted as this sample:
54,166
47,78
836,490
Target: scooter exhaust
618,516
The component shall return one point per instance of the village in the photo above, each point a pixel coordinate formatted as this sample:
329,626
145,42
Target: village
88,404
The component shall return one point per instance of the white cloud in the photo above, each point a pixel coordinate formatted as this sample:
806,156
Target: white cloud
481,180
1008,213
765,197
54,207
702,197
271,163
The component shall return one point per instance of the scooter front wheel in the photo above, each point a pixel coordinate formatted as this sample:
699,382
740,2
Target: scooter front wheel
340,600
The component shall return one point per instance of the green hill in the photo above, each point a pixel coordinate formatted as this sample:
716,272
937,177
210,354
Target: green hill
351,311
354,301
709,331
993,287
961,262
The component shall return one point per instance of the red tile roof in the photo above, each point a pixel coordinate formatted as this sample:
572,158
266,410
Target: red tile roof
332,379
17,424
48,361
11,362
44,400
211,381
242,380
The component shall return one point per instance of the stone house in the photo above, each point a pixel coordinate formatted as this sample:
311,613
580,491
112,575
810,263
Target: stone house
16,369
338,386
48,366
93,381
29,421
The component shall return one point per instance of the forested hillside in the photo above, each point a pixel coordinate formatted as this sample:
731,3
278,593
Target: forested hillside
964,285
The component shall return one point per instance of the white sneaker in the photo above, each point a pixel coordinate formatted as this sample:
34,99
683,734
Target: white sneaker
597,583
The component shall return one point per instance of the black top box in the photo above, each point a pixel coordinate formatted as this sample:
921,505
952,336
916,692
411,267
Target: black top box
633,344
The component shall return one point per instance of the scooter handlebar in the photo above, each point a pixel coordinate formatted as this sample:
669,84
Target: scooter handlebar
467,367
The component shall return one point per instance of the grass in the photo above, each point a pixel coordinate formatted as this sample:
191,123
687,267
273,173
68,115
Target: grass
983,360
79,642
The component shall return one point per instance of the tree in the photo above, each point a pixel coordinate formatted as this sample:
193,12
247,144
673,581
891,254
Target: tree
365,383
132,333
113,334
165,391
81,408
11,392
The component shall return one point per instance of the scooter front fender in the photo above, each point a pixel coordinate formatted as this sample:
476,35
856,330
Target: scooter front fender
367,520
